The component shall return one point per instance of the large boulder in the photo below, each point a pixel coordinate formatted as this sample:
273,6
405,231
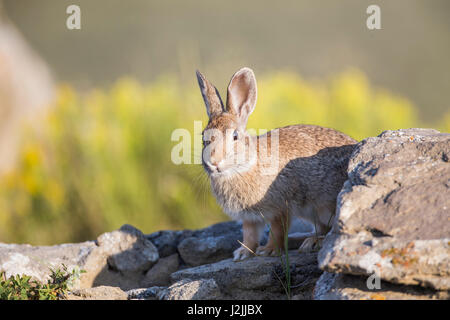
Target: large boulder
258,277
392,216
128,250
121,259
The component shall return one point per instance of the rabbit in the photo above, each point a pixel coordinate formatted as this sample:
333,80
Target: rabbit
303,181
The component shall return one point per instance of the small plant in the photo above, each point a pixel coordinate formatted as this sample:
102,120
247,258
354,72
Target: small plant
22,287
287,269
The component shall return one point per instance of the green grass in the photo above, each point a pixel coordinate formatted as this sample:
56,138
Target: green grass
287,285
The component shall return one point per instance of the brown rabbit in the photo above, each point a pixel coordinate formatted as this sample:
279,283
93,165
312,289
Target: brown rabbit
302,177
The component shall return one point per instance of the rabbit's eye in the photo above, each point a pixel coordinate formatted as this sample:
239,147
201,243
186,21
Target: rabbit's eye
235,135
206,141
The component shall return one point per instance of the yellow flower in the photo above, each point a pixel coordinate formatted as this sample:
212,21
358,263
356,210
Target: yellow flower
32,156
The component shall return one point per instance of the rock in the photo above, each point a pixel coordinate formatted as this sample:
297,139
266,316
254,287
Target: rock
121,259
167,240
218,241
128,250
159,274
187,289
144,293
331,286
98,293
36,261
127,260
198,251
299,228
393,212
257,277
416,262
211,244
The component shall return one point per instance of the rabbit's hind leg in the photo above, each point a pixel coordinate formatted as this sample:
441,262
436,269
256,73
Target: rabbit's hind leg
314,242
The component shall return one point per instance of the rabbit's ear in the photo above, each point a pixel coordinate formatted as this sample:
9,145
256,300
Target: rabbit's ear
213,102
241,95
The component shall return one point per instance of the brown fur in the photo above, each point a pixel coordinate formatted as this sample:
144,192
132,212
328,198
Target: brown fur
311,171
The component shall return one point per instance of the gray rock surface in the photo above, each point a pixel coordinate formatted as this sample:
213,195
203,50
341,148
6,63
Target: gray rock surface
187,289
211,244
393,211
332,286
128,250
121,259
144,293
166,241
159,274
98,293
217,242
36,261
257,277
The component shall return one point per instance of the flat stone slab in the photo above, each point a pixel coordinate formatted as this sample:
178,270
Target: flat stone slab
332,286
419,262
98,293
257,277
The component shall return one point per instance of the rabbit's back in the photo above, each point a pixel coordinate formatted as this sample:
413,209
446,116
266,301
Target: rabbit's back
313,163
311,169
307,140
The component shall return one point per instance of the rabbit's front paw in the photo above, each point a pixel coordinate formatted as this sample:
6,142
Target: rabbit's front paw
242,253
311,244
267,251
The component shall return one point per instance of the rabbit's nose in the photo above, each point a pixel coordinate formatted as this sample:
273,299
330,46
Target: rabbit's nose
212,164
215,165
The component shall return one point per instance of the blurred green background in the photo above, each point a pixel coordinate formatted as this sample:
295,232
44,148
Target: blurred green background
100,156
